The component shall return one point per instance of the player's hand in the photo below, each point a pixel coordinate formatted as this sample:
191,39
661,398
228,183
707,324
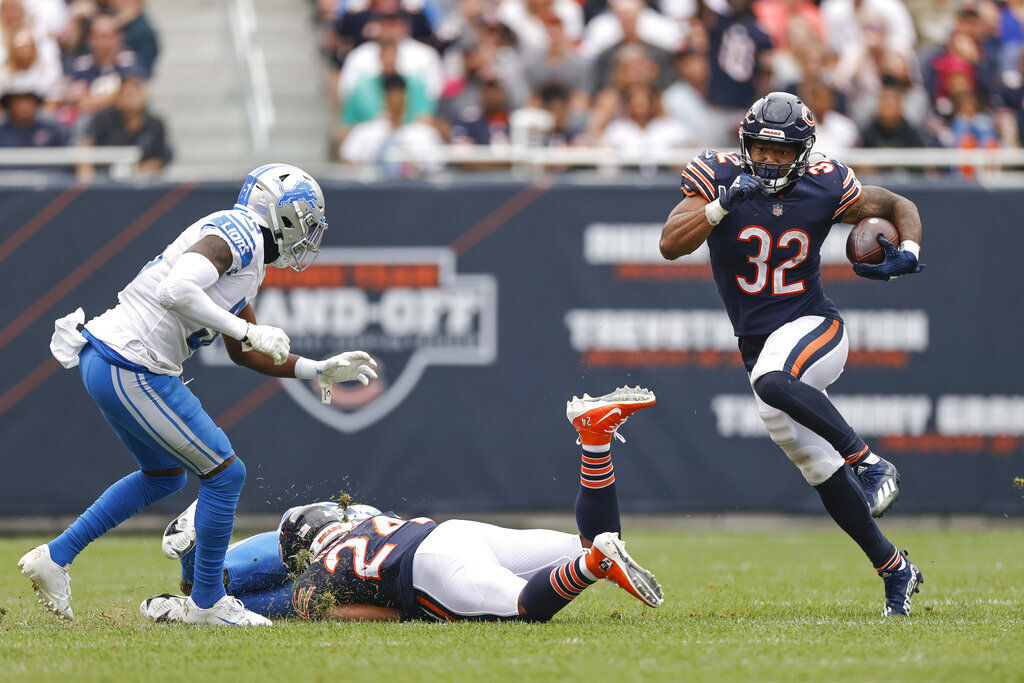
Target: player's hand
267,339
896,264
348,366
744,188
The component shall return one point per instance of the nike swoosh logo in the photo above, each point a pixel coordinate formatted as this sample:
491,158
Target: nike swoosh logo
611,412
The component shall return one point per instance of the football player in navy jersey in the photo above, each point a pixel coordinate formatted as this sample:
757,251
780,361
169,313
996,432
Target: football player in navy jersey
765,214
373,566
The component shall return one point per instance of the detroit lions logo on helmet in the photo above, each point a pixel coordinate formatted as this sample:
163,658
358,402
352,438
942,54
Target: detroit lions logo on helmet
303,191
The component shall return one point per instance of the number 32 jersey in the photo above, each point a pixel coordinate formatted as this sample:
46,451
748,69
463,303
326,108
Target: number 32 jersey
765,252
371,565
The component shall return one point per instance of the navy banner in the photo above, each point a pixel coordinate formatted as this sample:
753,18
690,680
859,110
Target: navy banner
487,306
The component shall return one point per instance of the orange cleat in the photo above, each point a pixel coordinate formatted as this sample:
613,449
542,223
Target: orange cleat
598,419
608,559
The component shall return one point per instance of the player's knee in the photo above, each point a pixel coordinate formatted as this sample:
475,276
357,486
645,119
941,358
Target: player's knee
779,427
774,388
235,472
816,464
229,479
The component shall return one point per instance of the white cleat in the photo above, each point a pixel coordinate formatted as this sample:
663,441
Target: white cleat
50,581
227,611
164,608
180,534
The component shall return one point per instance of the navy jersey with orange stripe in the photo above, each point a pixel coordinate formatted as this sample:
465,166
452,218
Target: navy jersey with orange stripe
371,565
765,252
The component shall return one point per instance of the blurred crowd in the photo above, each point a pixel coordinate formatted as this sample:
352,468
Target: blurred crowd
636,75
75,73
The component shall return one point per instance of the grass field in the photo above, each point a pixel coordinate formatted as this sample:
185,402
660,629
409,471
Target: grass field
798,605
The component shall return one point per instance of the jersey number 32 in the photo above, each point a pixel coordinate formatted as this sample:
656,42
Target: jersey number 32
764,253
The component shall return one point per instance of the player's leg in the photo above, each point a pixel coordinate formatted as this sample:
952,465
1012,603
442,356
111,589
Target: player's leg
597,420
253,573
550,590
250,564
160,475
456,576
524,552
797,362
555,564
165,410
254,563
824,469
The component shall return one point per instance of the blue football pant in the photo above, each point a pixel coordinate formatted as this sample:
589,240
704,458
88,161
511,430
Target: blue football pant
166,429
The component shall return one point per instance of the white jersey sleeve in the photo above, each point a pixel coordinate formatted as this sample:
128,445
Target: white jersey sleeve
141,330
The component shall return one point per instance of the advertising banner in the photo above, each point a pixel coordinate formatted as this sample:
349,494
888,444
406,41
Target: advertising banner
487,306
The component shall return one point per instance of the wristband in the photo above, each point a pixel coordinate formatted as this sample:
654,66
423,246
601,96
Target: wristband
306,368
714,212
911,246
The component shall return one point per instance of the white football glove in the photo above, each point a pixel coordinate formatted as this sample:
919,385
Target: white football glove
348,366
268,340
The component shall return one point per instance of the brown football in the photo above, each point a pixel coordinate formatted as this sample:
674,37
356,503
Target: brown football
862,245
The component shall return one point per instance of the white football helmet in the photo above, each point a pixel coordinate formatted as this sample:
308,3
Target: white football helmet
291,205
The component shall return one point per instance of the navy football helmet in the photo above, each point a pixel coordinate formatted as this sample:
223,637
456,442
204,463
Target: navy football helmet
311,527
308,528
777,117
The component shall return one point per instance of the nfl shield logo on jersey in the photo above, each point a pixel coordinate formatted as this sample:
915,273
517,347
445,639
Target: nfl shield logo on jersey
405,306
776,209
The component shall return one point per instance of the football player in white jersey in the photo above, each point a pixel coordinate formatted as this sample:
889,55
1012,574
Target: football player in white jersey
130,360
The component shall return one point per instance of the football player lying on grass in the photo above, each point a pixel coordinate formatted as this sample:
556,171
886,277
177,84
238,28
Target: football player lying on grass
356,563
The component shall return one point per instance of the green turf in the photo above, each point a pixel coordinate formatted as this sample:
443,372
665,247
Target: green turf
799,605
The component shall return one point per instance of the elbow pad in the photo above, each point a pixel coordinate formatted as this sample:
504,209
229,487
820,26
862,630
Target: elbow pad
176,295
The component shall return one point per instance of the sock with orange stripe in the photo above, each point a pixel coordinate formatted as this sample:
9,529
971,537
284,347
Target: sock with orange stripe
864,455
597,504
845,504
811,408
549,590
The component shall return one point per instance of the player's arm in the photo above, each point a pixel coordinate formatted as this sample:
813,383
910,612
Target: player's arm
351,365
686,228
183,291
878,202
695,217
254,360
361,613
902,213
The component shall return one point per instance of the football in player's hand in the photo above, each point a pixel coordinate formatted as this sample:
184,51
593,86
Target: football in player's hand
862,245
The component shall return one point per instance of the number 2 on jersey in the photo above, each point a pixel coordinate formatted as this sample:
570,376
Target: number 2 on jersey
764,252
362,568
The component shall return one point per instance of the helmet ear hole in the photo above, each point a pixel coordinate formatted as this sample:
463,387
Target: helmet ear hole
286,221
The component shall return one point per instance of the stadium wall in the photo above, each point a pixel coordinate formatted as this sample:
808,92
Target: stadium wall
487,306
